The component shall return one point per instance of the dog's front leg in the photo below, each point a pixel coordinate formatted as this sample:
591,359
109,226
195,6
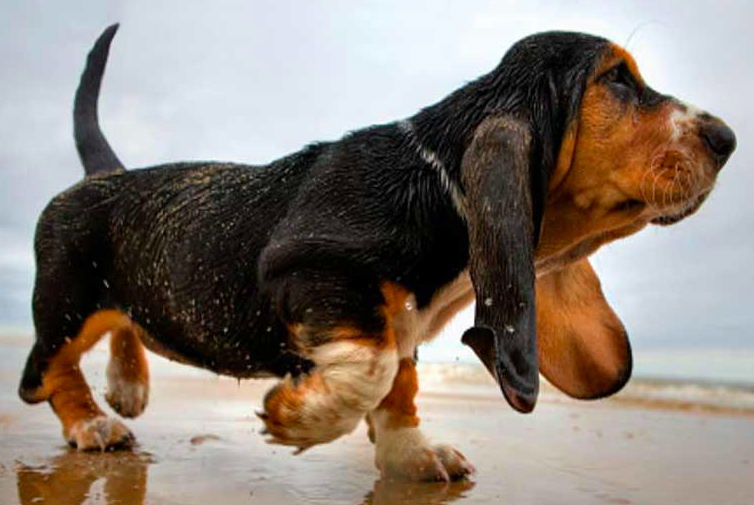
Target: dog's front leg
344,326
350,377
401,448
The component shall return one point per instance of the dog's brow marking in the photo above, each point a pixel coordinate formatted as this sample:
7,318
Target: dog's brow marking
431,159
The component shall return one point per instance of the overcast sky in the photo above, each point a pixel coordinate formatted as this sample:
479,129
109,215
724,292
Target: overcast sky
251,81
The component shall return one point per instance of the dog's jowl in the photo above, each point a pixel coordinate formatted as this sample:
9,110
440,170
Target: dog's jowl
328,267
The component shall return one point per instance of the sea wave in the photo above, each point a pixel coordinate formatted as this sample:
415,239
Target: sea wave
649,392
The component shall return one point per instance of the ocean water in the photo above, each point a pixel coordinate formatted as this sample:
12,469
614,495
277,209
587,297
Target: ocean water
690,379
715,380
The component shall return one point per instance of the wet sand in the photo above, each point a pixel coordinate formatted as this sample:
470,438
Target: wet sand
199,444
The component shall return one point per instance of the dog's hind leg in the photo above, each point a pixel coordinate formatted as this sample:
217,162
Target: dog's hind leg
127,372
71,293
85,426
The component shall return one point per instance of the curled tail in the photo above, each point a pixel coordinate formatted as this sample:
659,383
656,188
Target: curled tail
95,153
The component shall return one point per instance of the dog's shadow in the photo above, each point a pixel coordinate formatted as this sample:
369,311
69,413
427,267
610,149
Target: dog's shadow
120,477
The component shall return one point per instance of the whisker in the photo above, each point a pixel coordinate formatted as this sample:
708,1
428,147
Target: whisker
674,188
641,188
690,183
654,186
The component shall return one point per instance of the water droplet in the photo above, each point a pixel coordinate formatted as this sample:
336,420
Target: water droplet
269,329
409,306
488,302
107,284
510,329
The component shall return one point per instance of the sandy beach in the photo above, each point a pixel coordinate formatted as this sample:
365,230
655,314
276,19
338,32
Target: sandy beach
198,443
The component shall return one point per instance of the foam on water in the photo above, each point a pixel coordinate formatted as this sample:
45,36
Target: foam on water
664,392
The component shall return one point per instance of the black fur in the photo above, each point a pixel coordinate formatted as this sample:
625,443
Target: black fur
214,260
501,229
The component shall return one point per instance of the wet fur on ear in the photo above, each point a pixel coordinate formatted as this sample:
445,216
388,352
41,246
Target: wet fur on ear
531,98
501,223
583,348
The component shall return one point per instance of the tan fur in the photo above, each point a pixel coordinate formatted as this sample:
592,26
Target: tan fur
401,448
613,153
582,345
399,403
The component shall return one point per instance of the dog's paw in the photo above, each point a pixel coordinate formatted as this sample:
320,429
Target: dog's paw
301,414
129,399
127,394
405,453
456,465
99,434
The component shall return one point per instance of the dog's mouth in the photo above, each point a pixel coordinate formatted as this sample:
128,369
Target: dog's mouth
676,213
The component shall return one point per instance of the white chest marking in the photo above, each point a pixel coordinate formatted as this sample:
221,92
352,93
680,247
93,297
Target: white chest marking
413,326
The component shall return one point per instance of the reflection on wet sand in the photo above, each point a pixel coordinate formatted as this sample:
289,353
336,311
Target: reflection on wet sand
390,492
199,445
70,477
75,478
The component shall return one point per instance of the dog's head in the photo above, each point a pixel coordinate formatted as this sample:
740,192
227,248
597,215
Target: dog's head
577,151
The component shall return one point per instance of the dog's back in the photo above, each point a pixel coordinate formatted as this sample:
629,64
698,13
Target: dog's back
115,240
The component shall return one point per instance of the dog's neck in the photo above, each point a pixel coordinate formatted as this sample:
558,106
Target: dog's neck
449,183
444,129
441,133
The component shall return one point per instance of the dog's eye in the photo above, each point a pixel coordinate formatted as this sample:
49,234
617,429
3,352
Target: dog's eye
620,79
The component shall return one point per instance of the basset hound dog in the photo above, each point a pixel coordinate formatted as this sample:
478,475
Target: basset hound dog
329,266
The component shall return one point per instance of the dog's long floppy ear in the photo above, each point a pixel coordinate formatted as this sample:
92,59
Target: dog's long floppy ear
501,212
583,348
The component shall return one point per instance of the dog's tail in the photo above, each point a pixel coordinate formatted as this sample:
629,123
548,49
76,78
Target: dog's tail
95,153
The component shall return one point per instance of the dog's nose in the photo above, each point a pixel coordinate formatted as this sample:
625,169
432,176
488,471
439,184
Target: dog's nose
719,139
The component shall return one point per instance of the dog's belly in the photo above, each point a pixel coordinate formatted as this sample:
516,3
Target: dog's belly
225,329
413,326
237,352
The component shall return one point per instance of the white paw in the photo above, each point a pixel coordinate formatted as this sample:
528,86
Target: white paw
99,433
405,452
456,465
300,417
127,397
